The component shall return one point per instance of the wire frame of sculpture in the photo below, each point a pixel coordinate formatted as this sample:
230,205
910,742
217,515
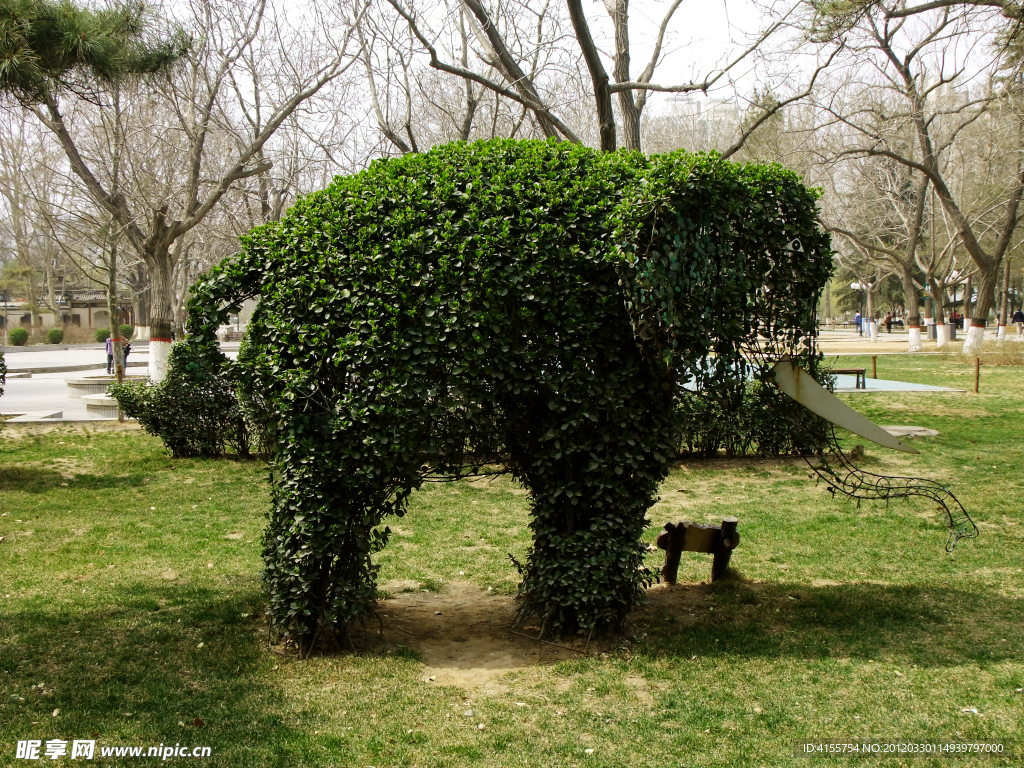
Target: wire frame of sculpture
842,476
826,457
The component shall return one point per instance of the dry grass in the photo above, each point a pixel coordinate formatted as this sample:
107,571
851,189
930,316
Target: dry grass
992,354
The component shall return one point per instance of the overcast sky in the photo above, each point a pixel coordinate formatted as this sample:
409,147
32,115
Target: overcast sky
702,35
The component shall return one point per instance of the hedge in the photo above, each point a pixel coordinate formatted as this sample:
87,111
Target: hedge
530,306
194,410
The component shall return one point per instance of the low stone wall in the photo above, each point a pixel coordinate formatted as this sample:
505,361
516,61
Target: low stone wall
100,406
94,385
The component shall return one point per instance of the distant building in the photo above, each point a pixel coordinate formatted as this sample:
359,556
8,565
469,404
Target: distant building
688,105
86,308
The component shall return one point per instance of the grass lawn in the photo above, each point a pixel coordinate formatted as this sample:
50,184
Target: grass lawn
130,606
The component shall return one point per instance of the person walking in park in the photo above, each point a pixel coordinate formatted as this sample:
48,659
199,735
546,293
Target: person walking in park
110,355
888,322
858,324
127,348
1018,320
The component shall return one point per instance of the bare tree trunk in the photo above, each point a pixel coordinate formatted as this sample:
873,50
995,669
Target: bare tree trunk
1004,312
602,93
912,297
627,104
140,304
968,291
511,70
117,343
975,335
161,270
51,294
871,308
33,301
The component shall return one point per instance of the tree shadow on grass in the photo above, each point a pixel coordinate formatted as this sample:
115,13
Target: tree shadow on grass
139,669
36,480
925,625
134,672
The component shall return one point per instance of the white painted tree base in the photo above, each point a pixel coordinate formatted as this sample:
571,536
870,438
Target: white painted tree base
158,353
972,344
1001,334
874,331
141,333
941,335
915,340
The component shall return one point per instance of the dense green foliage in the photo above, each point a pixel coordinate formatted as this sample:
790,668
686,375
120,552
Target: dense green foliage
193,410
18,337
46,46
54,336
102,334
746,421
532,306
126,331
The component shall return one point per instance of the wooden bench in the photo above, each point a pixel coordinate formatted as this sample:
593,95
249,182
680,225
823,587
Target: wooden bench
861,380
684,536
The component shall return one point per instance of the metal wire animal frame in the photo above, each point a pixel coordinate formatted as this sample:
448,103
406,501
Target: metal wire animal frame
836,468
842,476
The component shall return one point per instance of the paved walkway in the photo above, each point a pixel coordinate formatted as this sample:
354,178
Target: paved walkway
47,393
847,383
79,357
45,390
847,342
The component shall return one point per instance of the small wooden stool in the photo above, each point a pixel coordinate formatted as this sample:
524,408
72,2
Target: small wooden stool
685,536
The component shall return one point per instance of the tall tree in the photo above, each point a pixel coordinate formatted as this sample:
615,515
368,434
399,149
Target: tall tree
503,63
193,96
921,67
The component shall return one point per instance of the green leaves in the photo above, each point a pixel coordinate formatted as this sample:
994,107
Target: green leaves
530,306
43,43
194,410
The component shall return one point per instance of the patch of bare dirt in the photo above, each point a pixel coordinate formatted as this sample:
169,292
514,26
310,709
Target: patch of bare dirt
827,583
464,635
639,686
67,467
738,462
21,431
680,599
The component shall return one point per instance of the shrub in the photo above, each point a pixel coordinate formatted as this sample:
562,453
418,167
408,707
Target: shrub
755,420
76,334
54,336
126,331
193,409
18,337
102,334
529,304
